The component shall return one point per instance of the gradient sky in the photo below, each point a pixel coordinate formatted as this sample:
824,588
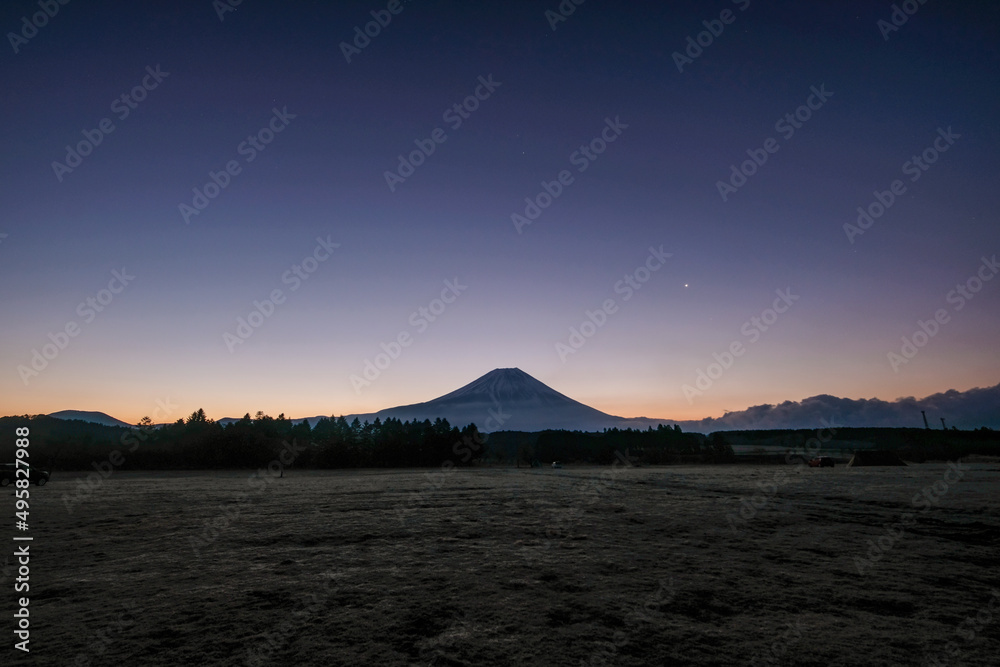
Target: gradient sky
162,337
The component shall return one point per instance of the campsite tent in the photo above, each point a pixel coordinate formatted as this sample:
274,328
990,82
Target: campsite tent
874,457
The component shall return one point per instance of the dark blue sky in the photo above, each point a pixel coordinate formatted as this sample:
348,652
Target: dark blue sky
170,330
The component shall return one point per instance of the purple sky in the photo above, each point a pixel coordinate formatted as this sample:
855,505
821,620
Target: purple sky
608,68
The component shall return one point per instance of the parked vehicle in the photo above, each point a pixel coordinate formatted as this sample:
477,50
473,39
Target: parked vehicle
821,462
8,475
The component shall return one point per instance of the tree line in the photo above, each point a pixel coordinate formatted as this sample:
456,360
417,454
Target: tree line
199,442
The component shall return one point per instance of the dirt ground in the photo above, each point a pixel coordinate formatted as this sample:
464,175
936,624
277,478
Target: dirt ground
706,565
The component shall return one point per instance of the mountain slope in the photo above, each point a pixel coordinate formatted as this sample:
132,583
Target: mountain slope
506,399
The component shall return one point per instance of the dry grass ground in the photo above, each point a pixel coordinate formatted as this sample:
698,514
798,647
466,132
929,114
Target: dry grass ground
589,565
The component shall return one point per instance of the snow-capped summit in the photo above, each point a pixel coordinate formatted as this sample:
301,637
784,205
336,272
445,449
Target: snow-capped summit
508,385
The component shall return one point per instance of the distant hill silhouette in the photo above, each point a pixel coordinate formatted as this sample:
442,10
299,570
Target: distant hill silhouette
92,417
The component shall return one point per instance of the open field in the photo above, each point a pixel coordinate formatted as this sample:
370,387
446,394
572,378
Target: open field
588,565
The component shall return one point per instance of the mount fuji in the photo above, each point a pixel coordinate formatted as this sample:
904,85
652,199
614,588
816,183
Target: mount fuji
508,399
